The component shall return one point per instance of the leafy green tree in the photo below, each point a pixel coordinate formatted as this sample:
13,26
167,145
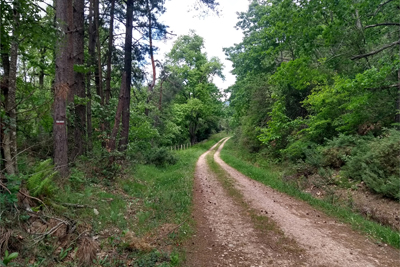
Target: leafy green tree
196,105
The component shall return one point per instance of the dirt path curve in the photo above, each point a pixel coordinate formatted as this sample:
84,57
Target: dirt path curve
292,233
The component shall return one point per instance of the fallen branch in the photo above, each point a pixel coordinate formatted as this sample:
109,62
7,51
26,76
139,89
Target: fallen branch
5,188
34,198
51,231
76,205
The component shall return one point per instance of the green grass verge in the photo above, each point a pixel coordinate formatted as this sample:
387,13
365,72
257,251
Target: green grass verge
144,199
268,176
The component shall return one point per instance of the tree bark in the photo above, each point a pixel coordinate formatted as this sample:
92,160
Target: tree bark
11,103
5,59
111,142
63,83
109,57
10,72
98,72
128,70
397,116
153,65
109,53
91,62
4,83
79,84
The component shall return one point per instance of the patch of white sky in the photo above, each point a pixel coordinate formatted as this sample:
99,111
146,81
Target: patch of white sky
218,31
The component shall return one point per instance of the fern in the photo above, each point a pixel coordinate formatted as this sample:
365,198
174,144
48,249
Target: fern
41,182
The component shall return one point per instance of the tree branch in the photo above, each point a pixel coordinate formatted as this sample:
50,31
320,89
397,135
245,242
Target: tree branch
382,24
376,51
380,6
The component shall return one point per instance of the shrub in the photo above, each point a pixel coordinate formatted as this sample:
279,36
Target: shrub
40,183
337,150
161,156
376,162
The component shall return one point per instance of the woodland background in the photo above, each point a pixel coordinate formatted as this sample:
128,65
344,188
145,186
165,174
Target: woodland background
317,92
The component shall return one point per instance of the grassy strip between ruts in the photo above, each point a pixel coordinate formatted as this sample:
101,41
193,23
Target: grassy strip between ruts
267,228
230,154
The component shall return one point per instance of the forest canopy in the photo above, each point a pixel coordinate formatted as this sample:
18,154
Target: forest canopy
318,84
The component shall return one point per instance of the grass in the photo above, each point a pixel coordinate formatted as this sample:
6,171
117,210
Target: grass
271,177
151,203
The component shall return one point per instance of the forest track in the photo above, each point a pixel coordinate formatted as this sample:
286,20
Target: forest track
241,222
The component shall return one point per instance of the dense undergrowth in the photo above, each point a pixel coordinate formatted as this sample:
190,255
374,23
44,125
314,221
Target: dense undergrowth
134,214
259,168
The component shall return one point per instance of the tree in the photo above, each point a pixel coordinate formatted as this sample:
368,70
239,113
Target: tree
79,79
197,103
63,83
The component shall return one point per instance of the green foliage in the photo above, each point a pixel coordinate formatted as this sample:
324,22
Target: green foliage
161,157
8,258
377,164
41,183
154,258
197,106
13,186
231,154
77,178
338,150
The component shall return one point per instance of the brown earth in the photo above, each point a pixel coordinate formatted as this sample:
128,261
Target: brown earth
262,227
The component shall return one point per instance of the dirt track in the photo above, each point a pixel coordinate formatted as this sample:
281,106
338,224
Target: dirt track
265,228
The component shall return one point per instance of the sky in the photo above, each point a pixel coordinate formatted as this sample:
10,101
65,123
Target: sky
218,31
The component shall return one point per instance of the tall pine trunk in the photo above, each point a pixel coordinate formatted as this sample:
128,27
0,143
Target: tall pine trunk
128,70
63,83
109,54
109,57
10,72
79,85
91,62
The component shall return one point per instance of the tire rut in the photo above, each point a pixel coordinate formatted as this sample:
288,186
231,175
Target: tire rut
325,241
225,234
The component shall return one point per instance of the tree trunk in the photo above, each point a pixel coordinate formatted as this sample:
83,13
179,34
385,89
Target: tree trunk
91,62
63,83
10,72
98,69
397,117
153,65
79,85
42,63
117,120
11,103
109,53
4,83
128,70
192,132
109,57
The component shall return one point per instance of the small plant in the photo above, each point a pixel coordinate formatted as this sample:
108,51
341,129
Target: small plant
76,178
41,182
13,186
63,253
8,258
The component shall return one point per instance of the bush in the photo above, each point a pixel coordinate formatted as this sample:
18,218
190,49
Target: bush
161,156
40,183
376,162
337,150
